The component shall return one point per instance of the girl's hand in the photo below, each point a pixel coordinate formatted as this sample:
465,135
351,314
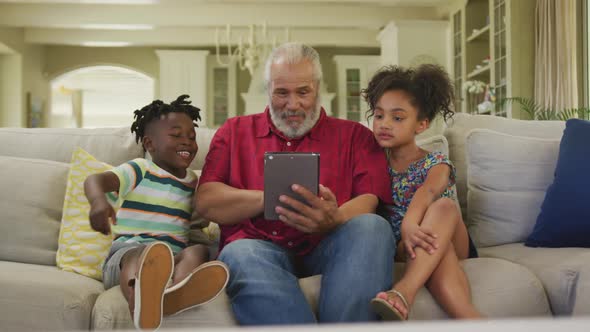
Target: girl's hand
100,212
414,235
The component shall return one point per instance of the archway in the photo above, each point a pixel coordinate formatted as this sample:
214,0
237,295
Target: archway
98,96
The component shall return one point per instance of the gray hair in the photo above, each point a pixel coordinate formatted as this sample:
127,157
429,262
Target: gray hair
293,53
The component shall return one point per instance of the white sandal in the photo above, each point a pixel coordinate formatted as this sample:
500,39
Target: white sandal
388,312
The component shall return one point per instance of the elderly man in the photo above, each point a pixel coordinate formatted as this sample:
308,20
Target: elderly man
335,235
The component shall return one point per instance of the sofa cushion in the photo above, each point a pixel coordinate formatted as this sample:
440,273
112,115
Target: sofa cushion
559,269
582,303
44,298
81,249
203,138
507,179
112,312
462,123
564,220
434,143
499,289
31,202
111,145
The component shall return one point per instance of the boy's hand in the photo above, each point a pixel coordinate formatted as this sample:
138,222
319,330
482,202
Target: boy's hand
414,235
100,212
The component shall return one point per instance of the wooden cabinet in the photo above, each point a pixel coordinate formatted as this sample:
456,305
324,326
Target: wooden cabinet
353,74
493,42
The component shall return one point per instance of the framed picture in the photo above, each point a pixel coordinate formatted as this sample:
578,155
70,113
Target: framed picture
34,111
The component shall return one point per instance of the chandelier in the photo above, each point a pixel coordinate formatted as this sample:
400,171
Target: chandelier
250,53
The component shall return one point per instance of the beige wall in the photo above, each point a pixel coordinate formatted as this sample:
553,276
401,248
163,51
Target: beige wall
10,90
22,73
42,64
61,59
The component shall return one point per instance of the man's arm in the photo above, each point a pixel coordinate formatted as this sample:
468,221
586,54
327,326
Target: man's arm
227,205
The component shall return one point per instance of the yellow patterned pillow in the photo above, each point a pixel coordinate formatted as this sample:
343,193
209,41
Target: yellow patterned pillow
81,249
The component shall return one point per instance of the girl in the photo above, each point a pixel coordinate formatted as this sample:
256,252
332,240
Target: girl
424,216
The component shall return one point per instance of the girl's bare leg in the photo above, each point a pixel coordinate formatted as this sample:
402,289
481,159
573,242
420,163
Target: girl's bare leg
442,217
448,283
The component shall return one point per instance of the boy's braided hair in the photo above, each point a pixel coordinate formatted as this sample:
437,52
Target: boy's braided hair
428,86
157,108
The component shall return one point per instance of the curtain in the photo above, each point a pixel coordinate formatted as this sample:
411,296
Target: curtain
556,84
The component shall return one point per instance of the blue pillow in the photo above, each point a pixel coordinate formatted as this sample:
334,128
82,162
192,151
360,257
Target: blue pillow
564,220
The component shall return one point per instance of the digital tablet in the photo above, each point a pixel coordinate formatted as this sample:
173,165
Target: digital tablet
281,171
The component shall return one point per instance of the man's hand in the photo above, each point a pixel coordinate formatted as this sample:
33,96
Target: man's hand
321,215
414,235
100,212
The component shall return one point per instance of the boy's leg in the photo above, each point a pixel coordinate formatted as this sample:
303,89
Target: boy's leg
356,262
263,288
194,282
112,274
145,272
187,260
129,267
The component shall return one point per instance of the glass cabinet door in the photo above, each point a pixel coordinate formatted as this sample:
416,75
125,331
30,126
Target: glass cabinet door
500,58
220,95
457,57
353,94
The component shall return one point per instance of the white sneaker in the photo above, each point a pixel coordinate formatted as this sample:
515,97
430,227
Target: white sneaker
156,265
201,286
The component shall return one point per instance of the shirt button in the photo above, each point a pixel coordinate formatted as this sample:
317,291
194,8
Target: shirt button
274,233
288,143
290,244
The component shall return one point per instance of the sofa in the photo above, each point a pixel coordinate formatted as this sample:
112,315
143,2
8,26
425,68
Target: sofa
508,280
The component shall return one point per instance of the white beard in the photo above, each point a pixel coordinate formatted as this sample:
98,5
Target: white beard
279,119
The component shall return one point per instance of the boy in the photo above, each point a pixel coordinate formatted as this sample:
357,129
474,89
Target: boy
157,271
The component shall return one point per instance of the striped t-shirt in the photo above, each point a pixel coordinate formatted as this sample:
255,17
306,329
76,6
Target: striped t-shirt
156,205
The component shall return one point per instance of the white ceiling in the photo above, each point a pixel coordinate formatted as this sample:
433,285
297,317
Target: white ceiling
193,23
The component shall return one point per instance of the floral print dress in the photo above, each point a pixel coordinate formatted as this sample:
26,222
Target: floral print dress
405,184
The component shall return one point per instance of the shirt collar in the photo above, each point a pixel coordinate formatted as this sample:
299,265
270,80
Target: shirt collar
265,126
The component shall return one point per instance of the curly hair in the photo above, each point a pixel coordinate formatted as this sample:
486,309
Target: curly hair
428,86
145,115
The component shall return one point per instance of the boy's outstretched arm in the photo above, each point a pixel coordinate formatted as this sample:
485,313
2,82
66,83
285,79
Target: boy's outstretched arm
95,187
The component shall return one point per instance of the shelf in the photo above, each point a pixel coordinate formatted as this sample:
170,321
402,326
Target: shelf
479,33
477,72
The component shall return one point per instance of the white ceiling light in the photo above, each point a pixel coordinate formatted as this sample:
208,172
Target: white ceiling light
115,26
105,44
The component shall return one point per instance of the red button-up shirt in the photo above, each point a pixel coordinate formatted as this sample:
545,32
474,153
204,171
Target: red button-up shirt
351,164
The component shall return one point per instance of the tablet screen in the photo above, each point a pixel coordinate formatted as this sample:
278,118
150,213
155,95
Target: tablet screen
281,171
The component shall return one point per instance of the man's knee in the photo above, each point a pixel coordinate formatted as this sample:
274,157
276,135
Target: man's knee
368,230
239,252
370,225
